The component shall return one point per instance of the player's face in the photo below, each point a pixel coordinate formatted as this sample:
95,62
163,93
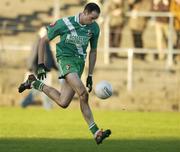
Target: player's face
90,17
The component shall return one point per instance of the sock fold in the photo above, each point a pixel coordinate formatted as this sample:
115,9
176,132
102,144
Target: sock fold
38,85
93,128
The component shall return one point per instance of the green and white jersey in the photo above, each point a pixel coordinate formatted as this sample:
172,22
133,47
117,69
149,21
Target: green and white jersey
74,36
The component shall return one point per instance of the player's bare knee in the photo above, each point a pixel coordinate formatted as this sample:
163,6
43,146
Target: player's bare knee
64,105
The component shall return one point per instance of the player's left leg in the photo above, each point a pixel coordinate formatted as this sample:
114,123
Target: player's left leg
74,81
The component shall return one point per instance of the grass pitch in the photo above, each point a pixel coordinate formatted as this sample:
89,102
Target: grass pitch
37,130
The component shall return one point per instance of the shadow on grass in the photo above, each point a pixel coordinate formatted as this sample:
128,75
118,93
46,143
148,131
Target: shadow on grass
87,145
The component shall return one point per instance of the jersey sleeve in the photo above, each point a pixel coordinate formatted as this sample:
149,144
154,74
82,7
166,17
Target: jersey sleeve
55,29
95,37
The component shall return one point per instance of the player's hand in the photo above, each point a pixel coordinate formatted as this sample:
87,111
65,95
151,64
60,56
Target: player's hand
89,83
41,71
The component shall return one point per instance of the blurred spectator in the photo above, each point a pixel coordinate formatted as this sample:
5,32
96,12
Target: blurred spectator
161,25
115,10
32,68
175,9
138,24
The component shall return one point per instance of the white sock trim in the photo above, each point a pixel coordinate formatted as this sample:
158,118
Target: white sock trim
92,125
41,87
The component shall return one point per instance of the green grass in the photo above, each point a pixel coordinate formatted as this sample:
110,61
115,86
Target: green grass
37,130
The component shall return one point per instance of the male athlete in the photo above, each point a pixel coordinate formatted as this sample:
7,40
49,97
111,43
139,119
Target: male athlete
75,33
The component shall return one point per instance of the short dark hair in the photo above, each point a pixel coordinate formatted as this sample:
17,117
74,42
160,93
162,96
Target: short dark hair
92,7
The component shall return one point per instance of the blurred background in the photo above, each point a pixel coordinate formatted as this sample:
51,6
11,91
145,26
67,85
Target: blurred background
138,51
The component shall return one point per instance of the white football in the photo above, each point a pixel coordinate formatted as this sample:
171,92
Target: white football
103,89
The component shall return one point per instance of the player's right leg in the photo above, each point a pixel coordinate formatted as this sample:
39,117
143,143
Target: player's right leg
62,98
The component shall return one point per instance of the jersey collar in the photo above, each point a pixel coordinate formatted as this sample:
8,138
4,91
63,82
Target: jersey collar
76,19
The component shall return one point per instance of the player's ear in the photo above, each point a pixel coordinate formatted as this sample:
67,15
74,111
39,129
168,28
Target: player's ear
85,12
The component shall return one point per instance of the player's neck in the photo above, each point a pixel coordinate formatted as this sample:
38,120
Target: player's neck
81,18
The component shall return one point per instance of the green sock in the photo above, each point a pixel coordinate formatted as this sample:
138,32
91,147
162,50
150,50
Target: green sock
38,85
93,128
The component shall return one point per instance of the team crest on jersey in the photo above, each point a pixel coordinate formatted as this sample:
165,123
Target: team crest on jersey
68,66
52,24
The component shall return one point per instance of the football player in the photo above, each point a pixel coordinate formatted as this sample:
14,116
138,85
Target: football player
76,32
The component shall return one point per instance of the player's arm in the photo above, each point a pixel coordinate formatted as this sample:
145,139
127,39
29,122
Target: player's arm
93,50
92,61
92,56
52,31
42,47
42,69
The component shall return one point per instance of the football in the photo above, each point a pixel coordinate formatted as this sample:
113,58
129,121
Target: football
103,89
